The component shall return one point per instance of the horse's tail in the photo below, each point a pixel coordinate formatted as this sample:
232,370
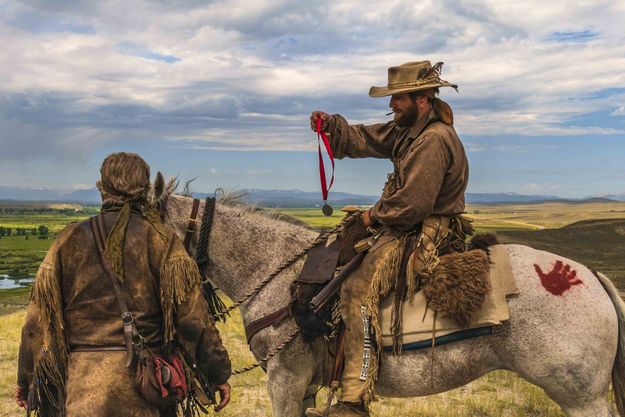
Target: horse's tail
618,369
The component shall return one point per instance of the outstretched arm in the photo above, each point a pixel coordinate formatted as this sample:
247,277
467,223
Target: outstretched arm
356,141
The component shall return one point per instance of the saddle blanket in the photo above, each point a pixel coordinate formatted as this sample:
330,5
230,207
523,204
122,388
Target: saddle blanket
418,320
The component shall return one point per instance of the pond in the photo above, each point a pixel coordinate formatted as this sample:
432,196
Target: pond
7,281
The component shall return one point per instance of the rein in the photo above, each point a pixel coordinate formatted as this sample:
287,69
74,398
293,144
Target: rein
215,304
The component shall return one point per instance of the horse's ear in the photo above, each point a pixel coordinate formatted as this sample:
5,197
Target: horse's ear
159,185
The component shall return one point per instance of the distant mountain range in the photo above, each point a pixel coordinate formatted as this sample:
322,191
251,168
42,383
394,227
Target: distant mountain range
290,198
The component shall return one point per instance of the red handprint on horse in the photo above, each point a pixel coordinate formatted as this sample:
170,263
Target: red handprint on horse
559,279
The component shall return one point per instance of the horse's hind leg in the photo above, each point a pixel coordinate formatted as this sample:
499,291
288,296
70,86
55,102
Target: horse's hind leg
579,385
580,390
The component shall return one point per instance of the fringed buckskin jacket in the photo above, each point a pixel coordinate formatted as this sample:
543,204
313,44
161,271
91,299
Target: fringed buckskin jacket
73,304
430,174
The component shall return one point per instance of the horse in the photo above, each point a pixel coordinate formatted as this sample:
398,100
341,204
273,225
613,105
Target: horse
568,340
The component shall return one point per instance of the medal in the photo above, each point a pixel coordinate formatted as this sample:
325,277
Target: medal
321,136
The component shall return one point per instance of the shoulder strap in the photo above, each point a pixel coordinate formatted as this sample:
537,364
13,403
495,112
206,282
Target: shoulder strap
130,329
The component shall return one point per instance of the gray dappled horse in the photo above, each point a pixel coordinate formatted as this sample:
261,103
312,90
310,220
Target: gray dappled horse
569,344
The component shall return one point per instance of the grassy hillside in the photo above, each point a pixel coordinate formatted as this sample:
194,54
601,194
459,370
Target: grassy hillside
599,244
539,216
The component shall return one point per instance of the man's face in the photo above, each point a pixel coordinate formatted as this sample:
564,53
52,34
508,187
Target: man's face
406,110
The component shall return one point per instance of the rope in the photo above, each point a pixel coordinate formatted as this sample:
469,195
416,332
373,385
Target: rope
319,240
201,254
215,304
270,355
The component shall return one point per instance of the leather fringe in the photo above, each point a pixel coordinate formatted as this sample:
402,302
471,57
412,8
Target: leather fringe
179,275
50,373
382,284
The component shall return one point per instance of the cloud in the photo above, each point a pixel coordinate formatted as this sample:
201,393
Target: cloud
619,112
239,75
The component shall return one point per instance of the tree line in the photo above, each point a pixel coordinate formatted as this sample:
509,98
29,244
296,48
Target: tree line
41,231
47,210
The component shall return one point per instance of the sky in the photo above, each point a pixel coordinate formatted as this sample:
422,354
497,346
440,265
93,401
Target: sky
222,91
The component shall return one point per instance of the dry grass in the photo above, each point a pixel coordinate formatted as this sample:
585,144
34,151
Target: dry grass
499,394
10,328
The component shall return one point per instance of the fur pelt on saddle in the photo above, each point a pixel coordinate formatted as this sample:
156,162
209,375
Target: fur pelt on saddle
458,285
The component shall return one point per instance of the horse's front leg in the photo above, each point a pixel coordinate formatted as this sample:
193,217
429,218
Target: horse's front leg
291,379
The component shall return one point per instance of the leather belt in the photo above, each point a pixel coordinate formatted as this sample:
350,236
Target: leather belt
111,348
154,346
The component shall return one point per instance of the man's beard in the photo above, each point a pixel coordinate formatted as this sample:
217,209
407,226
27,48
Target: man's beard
408,117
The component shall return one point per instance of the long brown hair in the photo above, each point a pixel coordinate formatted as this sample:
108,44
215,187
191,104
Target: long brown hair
440,107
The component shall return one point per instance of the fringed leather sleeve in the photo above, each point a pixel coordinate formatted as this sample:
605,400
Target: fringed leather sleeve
43,353
186,315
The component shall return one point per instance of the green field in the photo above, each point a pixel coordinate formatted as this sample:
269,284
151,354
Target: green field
20,255
23,253
498,394
313,216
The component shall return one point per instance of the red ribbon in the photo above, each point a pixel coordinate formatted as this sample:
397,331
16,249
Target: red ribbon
321,136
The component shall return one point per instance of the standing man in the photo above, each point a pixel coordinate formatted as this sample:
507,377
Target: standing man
72,357
419,209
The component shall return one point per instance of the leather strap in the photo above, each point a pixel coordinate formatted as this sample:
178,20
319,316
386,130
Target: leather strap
192,224
97,348
131,333
273,318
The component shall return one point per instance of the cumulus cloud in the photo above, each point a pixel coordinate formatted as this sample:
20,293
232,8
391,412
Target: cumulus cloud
241,75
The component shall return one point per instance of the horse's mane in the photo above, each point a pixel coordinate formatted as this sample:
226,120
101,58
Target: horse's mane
231,198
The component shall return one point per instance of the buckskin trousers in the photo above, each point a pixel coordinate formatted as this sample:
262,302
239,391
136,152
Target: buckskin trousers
100,385
358,351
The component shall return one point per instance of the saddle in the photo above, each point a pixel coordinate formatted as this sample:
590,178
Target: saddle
465,297
321,265
456,290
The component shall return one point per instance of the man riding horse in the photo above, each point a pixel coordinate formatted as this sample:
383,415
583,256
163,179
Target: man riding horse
417,213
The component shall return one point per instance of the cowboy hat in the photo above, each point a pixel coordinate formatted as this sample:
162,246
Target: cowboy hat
410,77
